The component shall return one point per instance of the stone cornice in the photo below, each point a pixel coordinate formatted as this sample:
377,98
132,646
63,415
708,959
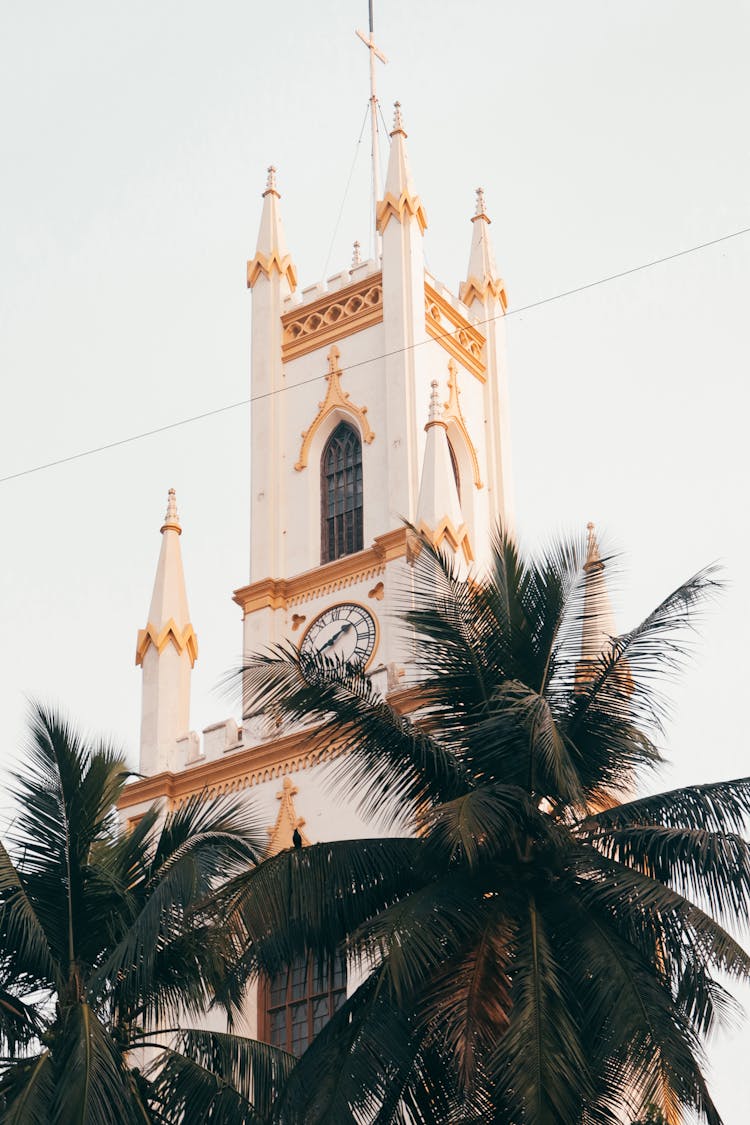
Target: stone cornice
281,593
454,332
233,772
332,317
182,639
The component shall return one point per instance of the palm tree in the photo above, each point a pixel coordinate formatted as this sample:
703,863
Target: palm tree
108,941
536,945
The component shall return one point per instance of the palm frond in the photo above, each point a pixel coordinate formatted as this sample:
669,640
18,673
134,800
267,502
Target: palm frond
722,806
540,1061
478,826
24,937
213,1077
710,868
90,1087
309,900
627,679
26,1091
199,846
393,766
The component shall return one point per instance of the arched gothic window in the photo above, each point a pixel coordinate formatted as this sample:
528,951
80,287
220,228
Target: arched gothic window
341,494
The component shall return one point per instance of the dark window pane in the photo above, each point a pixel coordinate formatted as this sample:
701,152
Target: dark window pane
339,972
278,1028
299,980
338,1000
300,1032
278,989
341,494
320,1014
298,1003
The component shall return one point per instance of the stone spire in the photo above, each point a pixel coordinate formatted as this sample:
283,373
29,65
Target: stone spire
439,514
167,650
598,626
400,199
482,277
272,278
271,254
356,256
484,294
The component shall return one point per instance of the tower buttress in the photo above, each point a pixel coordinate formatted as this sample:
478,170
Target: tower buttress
484,293
166,651
402,221
272,277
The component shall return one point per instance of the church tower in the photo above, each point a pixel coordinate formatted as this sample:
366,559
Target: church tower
378,397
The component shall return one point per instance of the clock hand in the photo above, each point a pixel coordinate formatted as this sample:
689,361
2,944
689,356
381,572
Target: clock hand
332,640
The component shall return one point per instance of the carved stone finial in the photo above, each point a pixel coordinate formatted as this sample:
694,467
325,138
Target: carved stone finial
356,256
481,208
333,360
593,558
271,181
435,411
336,399
398,120
281,835
171,519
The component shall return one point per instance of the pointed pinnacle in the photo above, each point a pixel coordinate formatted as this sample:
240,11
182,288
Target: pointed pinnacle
271,181
480,210
171,519
356,256
398,121
593,558
434,411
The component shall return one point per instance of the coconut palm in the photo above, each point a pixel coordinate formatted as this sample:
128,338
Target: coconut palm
109,941
536,944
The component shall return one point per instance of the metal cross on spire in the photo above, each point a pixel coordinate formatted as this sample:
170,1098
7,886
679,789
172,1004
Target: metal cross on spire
369,42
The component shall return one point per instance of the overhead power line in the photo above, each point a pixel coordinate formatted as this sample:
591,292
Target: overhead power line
373,359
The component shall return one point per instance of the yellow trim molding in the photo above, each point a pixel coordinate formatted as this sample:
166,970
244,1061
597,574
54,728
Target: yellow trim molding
233,772
407,204
253,765
447,532
181,639
280,834
283,593
265,264
332,317
476,289
452,413
454,332
336,399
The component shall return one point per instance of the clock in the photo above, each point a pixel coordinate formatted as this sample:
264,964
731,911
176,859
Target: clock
345,633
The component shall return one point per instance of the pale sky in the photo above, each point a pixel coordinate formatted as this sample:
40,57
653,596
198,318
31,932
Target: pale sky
135,140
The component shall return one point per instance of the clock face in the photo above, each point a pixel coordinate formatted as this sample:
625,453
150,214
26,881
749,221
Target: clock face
344,633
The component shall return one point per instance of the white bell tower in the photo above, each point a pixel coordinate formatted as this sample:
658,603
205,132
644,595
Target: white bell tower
378,396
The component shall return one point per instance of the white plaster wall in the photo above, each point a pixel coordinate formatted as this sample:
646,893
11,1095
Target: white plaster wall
393,643
165,708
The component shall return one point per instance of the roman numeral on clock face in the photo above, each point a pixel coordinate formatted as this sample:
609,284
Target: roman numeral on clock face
344,632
